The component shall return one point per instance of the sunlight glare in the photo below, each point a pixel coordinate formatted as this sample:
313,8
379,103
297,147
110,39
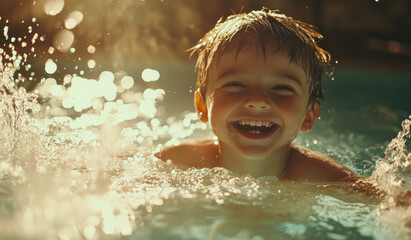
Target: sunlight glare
150,75
148,108
151,94
57,90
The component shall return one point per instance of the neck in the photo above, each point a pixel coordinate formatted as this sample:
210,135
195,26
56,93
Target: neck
271,165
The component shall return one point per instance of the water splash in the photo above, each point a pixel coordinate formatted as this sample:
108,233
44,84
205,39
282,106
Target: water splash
392,176
15,104
392,173
102,181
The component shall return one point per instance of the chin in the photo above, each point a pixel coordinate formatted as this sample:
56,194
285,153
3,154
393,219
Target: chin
255,153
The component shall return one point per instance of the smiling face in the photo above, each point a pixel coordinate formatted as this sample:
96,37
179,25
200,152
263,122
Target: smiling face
256,106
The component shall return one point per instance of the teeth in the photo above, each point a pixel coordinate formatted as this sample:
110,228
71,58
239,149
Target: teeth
255,132
255,123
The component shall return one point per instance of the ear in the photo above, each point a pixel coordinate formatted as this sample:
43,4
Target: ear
201,106
310,117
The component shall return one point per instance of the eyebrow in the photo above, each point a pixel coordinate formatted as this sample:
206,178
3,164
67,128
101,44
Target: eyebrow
291,77
228,73
237,71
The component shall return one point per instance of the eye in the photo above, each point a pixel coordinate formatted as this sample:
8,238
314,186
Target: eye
234,85
284,88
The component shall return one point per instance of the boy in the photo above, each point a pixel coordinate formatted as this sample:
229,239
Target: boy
258,85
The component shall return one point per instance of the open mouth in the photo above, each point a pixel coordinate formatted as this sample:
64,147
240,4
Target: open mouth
255,128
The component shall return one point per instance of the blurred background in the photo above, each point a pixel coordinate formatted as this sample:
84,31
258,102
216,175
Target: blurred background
85,37
366,33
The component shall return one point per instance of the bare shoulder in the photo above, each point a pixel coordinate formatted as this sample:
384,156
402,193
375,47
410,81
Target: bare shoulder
198,153
305,164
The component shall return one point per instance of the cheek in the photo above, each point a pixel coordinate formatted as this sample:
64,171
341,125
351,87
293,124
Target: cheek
289,106
215,106
222,102
220,107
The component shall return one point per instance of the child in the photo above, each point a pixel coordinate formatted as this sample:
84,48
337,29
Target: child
258,85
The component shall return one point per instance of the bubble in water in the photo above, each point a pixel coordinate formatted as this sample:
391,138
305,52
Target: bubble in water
53,7
50,66
127,82
63,40
150,75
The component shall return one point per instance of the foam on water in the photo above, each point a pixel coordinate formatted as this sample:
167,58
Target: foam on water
94,176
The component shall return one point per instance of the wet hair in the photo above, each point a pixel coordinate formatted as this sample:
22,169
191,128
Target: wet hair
269,28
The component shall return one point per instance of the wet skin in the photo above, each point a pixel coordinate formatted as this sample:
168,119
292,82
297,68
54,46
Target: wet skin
256,107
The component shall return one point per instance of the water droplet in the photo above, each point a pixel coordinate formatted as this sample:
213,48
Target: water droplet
73,19
150,75
53,7
6,32
70,23
106,76
67,79
89,232
91,63
35,36
91,49
63,40
127,82
51,50
50,66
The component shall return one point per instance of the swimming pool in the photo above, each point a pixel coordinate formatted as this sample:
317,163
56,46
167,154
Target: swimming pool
93,177
80,165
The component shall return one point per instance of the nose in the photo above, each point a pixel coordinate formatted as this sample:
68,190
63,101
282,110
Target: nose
257,102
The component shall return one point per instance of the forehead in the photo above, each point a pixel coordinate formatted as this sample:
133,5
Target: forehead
252,56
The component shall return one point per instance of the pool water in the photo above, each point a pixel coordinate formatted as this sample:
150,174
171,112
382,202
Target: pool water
90,173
